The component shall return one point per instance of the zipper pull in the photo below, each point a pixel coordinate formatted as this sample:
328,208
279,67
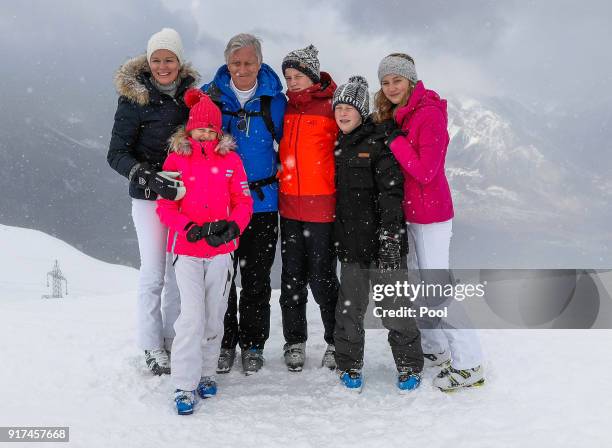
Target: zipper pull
147,192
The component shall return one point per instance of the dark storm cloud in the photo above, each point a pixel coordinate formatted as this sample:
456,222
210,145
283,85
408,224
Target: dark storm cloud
472,27
536,51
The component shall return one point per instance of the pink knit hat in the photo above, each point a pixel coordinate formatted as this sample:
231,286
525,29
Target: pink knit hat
203,112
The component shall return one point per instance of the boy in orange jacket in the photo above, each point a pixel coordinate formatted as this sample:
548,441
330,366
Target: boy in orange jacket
307,204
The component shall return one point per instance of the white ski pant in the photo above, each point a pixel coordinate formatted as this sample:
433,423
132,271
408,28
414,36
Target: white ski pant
432,250
158,296
204,284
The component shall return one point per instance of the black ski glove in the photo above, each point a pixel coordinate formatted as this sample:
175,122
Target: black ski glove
231,232
394,134
389,253
141,174
195,232
383,130
167,186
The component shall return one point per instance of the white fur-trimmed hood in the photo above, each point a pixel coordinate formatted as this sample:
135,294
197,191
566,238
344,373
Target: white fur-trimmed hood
180,144
128,84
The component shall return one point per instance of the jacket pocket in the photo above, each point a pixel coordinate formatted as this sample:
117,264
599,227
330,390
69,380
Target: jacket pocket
360,173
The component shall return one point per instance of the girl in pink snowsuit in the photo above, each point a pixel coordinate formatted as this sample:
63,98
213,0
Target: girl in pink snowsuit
204,229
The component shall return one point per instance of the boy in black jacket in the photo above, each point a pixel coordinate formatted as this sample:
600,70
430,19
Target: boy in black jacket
369,232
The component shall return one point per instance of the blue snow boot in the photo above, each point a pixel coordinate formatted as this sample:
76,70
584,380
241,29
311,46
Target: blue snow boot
185,401
408,380
207,387
352,379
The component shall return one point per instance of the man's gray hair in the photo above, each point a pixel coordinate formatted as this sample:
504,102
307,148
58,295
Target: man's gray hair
240,41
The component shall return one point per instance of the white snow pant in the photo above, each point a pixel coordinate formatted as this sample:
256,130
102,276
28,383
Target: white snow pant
432,250
204,284
158,296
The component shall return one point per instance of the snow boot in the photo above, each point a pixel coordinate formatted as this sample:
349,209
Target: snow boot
252,360
442,360
295,356
352,379
451,379
226,360
207,387
329,357
185,401
158,361
408,380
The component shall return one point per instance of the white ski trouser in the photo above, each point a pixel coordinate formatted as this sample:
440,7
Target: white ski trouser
432,250
158,296
204,284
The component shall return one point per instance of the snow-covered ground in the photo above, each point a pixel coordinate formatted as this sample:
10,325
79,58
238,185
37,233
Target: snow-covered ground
73,362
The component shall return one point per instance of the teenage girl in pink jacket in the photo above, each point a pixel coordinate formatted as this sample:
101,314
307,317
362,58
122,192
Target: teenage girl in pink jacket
204,229
420,145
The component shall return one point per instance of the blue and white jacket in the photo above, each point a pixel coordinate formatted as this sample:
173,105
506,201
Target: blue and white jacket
255,142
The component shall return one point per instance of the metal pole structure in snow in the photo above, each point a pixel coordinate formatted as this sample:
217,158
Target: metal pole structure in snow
56,282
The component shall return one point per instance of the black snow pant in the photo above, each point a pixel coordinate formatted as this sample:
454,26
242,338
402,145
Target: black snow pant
254,257
309,258
404,335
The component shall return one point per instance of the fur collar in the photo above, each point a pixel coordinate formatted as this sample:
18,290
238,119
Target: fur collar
179,143
129,83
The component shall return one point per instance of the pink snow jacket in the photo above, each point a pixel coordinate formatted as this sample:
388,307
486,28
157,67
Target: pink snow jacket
421,154
217,188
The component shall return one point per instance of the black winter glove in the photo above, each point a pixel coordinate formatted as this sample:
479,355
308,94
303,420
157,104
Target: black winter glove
196,232
167,186
388,126
231,231
141,174
383,130
389,253
394,134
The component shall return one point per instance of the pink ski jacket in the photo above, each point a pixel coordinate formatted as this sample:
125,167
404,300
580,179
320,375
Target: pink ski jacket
217,188
421,154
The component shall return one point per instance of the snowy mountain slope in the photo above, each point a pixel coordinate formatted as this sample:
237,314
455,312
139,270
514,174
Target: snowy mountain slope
29,254
74,363
509,179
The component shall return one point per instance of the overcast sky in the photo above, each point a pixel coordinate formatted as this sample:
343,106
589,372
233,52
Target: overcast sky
539,52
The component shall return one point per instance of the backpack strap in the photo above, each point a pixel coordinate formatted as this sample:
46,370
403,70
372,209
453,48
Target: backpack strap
214,93
264,112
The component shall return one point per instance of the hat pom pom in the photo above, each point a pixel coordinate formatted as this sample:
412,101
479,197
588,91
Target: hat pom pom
193,97
358,80
312,49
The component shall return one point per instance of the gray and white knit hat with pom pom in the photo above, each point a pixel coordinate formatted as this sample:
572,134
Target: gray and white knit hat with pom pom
304,60
354,93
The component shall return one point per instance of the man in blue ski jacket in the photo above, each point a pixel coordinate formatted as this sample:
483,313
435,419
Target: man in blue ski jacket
250,96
